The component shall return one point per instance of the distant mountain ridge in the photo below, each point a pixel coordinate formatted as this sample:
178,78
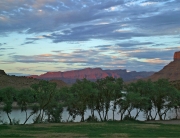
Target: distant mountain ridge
92,74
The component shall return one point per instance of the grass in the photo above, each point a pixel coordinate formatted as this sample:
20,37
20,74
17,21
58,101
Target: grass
102,129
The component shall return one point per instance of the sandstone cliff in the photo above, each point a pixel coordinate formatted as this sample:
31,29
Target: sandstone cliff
170,71
92,74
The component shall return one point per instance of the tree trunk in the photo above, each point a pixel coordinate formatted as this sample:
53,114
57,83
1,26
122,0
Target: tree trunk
165,112
68,118
92,112
147,115
113,114
10,122
27,119
100,115
37,119
42,116
103,113
121,114
129,113
105,117
137,114
164,116
160,115
176,113
155,116
82,116
114,109
49,116
26,113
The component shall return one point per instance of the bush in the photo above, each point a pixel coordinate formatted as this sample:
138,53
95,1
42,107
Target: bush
129,118
92,119
15,122
3,122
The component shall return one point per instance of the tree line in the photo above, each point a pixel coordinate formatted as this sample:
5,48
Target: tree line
47,102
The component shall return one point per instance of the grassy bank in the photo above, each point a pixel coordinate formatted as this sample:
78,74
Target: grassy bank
103,129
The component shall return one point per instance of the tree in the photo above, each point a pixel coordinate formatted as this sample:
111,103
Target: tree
26,100
138,94
8,96
44,93
163,97
55,108
79,98
107,90
117,94
92,96
68,100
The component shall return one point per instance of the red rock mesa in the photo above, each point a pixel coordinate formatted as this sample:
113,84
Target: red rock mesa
177,55
170,71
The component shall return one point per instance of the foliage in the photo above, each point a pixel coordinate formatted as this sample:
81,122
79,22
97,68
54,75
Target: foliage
44,95
15,122
129,118
26,99
100,96
8,96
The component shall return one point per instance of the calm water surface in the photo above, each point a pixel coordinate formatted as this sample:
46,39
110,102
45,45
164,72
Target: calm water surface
18,115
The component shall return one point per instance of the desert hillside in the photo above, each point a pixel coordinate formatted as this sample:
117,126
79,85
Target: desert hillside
21,82
170,71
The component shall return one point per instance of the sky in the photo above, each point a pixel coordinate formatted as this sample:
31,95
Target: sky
38,36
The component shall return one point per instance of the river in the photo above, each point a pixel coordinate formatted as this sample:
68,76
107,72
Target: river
18,115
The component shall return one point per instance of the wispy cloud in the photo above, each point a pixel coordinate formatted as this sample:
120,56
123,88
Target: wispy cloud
132,34
92,58
2,44
80,18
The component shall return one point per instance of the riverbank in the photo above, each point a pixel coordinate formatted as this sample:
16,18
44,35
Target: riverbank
16,106
174,122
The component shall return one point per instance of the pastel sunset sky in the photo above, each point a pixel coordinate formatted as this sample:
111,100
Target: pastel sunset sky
38,36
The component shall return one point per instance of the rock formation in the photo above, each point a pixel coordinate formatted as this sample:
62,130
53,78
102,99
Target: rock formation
2,72
177,55
170,71
92,74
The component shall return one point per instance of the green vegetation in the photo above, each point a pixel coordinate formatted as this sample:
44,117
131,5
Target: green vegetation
103,129
44,99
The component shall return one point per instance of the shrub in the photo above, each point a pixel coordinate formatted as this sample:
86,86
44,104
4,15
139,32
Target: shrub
129,118
92,119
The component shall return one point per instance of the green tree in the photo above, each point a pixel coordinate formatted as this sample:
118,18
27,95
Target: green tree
92,96
138,94
55,108
44,94
117,94
8,96
26,100
68,100
79,98
163,97
106,88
